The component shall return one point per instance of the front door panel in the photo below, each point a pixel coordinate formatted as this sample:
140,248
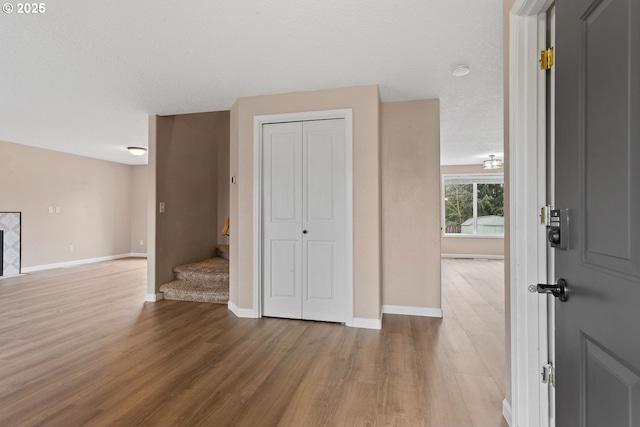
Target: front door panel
598,179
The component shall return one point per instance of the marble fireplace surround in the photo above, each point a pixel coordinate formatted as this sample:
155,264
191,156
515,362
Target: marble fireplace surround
11,224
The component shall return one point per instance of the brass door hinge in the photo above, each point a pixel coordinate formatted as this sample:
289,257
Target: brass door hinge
546,59
549,374
545,215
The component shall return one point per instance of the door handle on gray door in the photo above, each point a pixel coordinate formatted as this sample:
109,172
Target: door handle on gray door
560,290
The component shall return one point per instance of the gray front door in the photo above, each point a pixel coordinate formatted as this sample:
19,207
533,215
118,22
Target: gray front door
598,179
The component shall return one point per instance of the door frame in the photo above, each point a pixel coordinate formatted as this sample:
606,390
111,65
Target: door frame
529,403
258,122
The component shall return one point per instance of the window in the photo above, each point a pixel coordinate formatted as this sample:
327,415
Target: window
473,205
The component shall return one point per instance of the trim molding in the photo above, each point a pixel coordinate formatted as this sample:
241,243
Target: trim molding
138,254
357,322
530,7
242,312
527,162
76,262
472,256
12,276
361,322
407,310
506,411
154,297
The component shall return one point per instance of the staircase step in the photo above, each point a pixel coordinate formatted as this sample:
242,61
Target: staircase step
222,251
183,290
209,270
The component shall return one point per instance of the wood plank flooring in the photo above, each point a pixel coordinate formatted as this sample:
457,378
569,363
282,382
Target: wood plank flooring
80,347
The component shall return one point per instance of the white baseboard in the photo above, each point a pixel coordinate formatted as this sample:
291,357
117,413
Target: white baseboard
360,322
412,311
13,275
355,323
242,312
74,263
154,297
138,254
506,411
472,256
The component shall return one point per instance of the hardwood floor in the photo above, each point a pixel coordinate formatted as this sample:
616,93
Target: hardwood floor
80,347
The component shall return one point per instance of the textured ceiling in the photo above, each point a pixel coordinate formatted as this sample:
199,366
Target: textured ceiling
83,76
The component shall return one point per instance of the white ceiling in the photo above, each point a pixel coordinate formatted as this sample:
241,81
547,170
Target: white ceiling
83,76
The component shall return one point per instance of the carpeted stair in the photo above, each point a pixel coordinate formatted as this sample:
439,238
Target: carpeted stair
202,281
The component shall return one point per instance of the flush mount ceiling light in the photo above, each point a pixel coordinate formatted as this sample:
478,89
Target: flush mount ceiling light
137,151
460,70
492,163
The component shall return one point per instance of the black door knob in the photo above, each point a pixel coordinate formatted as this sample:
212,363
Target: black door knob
560,290
304,232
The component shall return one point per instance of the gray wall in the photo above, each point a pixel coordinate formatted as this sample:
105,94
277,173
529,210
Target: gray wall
507,5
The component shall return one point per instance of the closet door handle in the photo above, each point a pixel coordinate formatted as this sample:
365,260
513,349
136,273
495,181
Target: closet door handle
304,231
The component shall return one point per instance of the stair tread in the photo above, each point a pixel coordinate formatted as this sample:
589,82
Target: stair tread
215,264
212,269
185,290
202,281
188,284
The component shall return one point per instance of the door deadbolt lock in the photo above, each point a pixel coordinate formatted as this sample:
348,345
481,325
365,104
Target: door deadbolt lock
558,228
554,236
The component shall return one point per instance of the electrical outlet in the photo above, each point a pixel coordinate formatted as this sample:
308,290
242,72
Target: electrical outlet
57,209
70,248
141,242
162,208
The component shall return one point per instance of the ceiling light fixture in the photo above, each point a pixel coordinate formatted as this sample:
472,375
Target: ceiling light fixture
492,163
460,70
137,151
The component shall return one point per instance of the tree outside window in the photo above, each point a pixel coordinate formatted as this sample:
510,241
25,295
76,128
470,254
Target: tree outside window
474,204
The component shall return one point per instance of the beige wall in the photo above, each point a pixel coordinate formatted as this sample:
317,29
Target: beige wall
365,102
224,179
94,197
152,288
234,212
139,189
461,246
410,141
185,164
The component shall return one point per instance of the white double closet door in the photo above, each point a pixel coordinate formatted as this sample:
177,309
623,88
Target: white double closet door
304,220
